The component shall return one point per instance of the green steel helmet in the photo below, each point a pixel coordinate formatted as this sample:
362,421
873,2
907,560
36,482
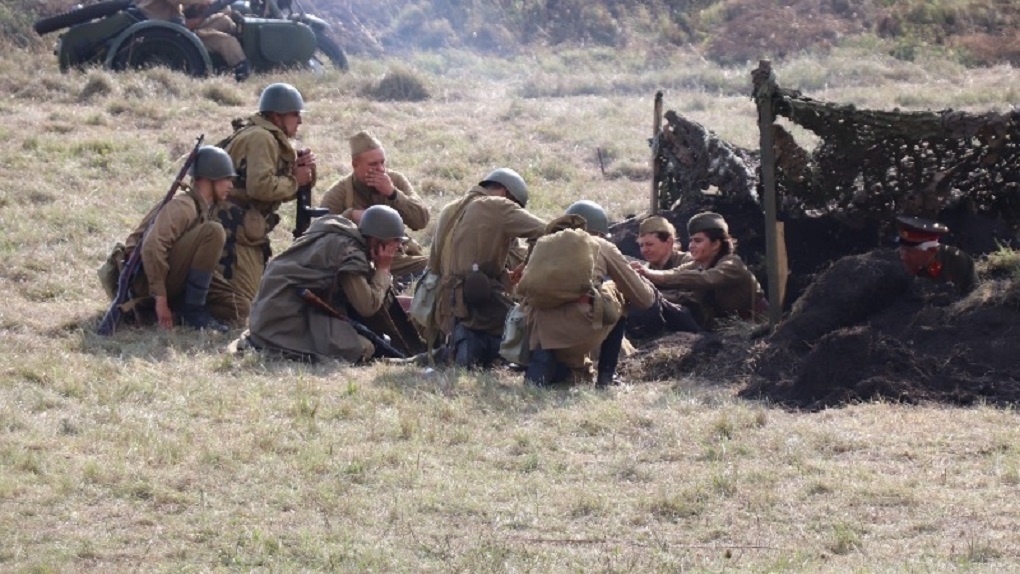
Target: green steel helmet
382,222
281,98
212,162
593,215
512,181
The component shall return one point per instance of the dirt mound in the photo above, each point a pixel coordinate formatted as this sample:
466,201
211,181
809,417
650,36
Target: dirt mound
864,330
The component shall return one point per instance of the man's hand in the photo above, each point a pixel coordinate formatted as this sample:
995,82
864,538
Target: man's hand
163,314
305,168
382,184
515,275
383,253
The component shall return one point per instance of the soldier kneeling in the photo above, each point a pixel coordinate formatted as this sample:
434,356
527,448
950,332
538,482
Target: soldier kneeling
344,269
576,286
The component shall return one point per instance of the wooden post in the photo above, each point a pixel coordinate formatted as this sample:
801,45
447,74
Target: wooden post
653,206
764,88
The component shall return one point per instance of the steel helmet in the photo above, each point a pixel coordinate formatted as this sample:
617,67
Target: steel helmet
512,181
212,162
593,215
281,98
382,222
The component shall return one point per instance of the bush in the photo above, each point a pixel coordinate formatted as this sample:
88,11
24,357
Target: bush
399,85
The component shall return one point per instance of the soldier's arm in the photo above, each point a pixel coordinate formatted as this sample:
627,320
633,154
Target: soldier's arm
170,224
262,180
407,203
638,292
728,271
518,222
365,294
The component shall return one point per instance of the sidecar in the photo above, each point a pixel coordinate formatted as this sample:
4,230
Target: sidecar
117,36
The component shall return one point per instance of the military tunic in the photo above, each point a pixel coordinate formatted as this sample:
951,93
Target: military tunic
675,259
954,266
330,258
264,158
349,194
573,330
727,288
483,234
166,9
182,237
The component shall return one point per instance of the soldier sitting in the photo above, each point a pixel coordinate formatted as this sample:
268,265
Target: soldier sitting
569,322
182,247
218,32
923,256
657,240
716,281
345,265
372,183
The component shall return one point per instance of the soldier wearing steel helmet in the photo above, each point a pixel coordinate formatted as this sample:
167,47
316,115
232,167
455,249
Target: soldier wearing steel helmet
472,240
344,264
181,249
269,172
568,339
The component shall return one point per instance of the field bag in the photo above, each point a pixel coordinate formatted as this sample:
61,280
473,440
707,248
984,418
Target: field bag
559,270
515,346
423,303
109,273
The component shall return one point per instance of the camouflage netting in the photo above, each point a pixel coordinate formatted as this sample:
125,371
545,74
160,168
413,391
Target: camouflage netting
858,327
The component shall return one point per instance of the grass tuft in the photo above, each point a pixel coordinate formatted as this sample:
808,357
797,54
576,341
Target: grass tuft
400,84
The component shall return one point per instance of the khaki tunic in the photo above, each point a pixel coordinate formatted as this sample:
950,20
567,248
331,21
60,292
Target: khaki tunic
573,330
349,194
182,237
264,158
483,234
219,35
330,258
728,288
676,259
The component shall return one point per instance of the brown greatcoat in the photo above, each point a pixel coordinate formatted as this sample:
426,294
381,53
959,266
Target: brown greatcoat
483,233
727,288
264,158
331,259
349,194
573,330
181,238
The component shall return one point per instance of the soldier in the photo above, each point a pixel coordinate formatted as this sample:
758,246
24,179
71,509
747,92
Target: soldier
716,281
269,172
923,256
564,336
657,240
180,251
473,238
372,183
218,32
344,264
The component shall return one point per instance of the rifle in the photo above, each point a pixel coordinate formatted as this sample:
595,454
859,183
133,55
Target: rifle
109,323
305,211
381,345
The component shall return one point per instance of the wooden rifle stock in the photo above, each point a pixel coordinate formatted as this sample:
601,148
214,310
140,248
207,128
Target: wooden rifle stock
381,344
109,323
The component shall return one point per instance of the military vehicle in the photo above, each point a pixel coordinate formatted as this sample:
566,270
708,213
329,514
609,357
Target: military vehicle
116,35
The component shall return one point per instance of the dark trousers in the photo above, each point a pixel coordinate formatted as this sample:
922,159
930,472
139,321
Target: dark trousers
662,317
472,348
544,369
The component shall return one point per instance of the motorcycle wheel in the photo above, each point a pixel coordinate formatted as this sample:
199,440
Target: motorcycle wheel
154,47
332,50
72,17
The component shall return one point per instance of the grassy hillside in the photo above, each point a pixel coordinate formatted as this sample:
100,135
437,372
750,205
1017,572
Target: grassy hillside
973,32
159,452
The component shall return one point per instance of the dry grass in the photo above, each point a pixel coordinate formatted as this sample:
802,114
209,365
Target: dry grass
157,452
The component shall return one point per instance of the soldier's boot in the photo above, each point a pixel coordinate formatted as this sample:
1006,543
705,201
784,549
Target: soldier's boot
242,71
194,313
609,354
